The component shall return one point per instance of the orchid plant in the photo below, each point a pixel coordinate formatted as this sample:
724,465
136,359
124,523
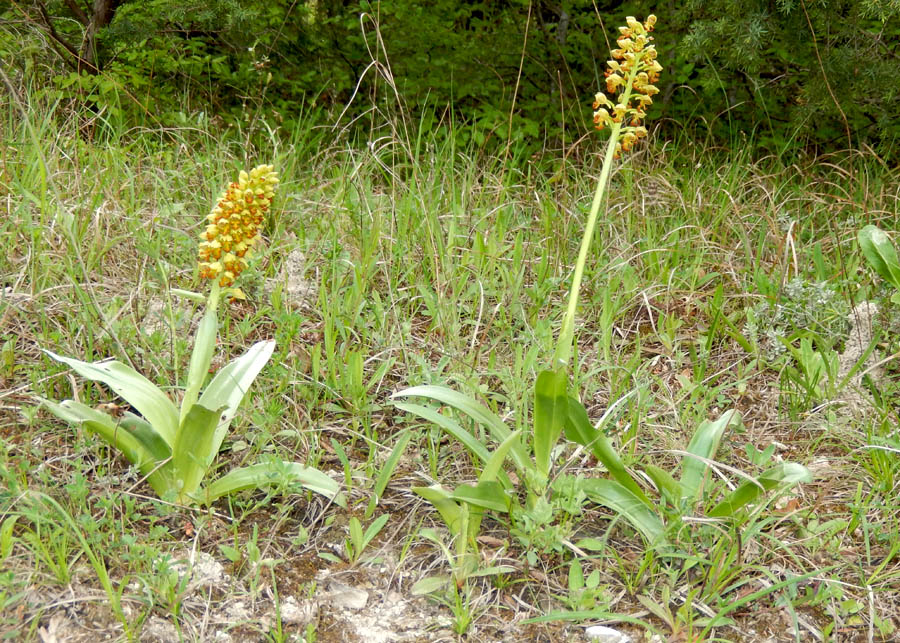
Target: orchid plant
630,79
174,447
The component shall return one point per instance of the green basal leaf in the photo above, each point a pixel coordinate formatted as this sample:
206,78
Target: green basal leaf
433,536
131,435
132,387
615,496
228,388
356,533
189,294
492,571
6,537
449,509
485,495
784,475
550,412
430,585
880,253
201,357
704,444
492,471
192,454
273,473
464,404
493,465
668,486
579,429
373,529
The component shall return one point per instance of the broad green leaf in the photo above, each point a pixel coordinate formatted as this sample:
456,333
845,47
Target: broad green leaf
550,411
493,466
356,534
449,509
784,475
576,576
491,471
192,453
464,404
433,536
373,529
613,495
705,444
485,495
131,435
430,585
453,428
668,486
189,294
133,387
201,357
231,384
880,253
272,473
579,429
331,558
387,470
596,615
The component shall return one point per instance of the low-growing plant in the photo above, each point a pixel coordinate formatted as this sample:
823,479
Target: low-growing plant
800,309
174,448
358,540
585,593
463,508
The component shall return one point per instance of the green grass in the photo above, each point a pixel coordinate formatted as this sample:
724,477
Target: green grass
424,263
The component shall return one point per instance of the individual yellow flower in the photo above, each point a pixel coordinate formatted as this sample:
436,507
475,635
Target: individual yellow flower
233,225
632,71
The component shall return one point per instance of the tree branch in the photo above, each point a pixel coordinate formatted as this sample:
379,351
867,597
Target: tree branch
51,30
79,13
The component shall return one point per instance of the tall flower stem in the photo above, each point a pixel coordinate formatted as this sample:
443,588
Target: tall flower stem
567,331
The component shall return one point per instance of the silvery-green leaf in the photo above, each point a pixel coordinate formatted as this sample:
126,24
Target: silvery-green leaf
134,388
273,473
228,388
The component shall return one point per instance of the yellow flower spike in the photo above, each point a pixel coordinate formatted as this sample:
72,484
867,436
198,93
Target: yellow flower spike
631,72
233,225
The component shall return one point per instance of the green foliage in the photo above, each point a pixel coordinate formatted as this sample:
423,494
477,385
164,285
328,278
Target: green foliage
789,73
802,308
820,72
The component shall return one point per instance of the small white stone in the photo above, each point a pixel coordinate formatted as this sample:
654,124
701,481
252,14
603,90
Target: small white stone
345,597
296,613
603,634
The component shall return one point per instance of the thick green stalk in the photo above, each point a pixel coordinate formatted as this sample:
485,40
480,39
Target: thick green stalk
201,356
567,332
